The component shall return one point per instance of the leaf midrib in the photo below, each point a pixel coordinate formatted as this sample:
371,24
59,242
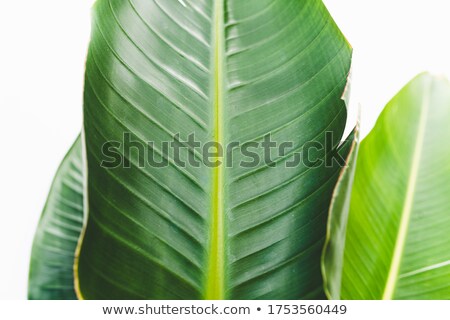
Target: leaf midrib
215,277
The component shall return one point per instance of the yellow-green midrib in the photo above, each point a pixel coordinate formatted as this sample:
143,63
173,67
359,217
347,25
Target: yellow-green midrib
215,277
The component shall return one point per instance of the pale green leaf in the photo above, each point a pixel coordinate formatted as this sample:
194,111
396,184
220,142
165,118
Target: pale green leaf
398,233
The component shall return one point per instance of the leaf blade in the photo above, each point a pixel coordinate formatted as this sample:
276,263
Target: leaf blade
395,196
332,256
56,238
157,226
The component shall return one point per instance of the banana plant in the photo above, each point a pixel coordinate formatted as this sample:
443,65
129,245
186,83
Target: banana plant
229,73
396,243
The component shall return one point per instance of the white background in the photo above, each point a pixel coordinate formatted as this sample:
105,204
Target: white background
42,52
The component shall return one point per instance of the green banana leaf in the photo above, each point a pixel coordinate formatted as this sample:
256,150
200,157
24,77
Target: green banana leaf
52,257
333,252
398,235
52,260
225,71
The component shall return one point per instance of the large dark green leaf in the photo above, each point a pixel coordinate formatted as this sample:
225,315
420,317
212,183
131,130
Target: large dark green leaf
227,71
52,258
398,235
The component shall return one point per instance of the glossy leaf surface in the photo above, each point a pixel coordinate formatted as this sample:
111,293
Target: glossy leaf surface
226,71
